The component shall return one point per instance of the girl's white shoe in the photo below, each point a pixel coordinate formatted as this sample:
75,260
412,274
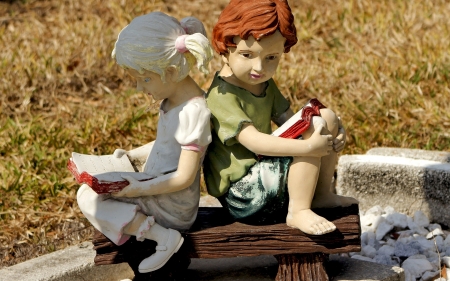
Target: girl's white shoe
164,250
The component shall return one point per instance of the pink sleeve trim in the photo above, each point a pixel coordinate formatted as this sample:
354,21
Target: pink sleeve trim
194,147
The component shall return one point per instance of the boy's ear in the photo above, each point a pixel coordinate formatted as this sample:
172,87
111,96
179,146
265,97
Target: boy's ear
171,74
225,58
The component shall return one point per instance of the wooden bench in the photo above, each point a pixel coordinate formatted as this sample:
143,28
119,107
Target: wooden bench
216,235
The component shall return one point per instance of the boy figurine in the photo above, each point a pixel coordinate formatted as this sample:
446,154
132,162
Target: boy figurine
251,36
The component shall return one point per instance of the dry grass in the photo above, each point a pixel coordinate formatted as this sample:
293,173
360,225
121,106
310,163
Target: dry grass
384,66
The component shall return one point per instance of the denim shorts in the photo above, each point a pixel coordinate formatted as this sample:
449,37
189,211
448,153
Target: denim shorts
261,196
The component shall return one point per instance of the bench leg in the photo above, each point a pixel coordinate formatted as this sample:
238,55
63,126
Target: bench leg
302,267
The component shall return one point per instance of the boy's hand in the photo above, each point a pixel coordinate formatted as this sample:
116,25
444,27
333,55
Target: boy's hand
339,141
320,145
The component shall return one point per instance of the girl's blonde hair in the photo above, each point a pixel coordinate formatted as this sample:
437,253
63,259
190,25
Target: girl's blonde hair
152,42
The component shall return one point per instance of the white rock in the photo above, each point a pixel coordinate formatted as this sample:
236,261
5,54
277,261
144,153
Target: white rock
435,232
370,222
421,219
372,241
433,226
447,241
405,234
397,220
375,210
386,250
359,257
431,255
407,249
416,228
426,245
417,265
384,259
368,251
446,261
409,276
383,229
439,243
430,275
391,242
389,210
364,238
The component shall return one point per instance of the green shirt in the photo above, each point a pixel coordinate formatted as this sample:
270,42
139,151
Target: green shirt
227,160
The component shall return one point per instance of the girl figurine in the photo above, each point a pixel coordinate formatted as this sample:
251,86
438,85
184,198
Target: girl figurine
158,51
251,36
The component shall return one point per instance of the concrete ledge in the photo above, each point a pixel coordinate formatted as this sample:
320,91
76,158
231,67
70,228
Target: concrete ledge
404,182
74,263
77,264
438,156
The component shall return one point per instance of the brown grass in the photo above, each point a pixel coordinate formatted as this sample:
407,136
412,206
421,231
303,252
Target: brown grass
384,66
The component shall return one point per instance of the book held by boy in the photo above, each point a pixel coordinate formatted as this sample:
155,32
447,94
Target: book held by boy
300,121
103,173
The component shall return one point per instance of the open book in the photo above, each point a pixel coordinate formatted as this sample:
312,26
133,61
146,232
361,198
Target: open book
300,121
103,173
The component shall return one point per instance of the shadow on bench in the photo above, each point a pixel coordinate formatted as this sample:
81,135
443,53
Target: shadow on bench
216,235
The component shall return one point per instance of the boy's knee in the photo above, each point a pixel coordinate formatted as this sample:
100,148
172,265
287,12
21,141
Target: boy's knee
331,119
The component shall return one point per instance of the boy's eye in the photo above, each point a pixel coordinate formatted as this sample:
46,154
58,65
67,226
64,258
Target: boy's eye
146,80
246,55
272,57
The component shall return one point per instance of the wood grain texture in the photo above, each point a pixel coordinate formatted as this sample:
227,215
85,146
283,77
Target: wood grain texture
302,267
215,235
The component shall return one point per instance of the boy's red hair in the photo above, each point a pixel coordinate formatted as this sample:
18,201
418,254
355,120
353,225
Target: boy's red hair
253,17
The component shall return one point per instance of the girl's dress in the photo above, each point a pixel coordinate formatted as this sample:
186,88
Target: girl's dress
186,126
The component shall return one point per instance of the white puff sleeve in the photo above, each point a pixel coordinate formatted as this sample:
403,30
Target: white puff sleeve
194,131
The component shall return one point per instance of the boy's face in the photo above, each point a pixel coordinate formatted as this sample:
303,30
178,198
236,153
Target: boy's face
254,62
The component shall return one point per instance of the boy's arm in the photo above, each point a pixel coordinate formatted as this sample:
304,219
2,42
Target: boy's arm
283,117
263,144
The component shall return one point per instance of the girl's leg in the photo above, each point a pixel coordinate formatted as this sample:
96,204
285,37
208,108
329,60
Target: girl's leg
323,197
107,215
119,220
168,241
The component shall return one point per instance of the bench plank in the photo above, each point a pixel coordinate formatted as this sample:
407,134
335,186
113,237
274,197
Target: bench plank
215,235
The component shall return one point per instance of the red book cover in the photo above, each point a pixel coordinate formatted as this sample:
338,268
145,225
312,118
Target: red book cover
103,173
300,122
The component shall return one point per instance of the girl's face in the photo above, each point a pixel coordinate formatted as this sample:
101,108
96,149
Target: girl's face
254,62
150,83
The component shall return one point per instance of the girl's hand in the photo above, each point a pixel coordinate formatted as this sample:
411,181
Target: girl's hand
320,145
118,153
339,141
134,189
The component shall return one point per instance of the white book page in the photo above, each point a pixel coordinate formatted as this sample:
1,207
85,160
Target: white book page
94,164
297,116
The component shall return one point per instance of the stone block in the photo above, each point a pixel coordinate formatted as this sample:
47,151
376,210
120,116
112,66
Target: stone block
406,179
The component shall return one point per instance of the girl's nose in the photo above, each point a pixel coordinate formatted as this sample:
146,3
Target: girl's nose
139,86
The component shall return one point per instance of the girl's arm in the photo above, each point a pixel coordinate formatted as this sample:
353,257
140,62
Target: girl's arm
317,145
183,177
137,156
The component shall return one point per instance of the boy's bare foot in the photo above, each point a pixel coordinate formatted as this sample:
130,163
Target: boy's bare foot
331,200
308,222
